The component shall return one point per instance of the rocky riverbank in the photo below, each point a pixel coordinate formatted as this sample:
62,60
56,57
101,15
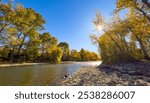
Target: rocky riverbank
129,74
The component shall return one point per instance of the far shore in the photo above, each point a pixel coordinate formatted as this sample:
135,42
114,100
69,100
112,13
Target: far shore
18,64
28,64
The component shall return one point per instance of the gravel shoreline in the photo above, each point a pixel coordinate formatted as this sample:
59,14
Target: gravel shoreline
129,74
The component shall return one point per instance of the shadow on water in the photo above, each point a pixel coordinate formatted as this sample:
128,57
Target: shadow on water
38,75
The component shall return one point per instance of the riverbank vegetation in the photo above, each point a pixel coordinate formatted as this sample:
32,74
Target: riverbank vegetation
23,39
125,38
124,46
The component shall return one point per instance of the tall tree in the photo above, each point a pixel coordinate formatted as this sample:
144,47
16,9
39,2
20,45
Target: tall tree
123,40
65,48
141,6
47,42
140,28
18,24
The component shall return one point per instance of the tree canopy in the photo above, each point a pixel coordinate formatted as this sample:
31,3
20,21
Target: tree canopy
22,38
125,39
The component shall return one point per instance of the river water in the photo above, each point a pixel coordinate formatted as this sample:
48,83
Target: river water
40,74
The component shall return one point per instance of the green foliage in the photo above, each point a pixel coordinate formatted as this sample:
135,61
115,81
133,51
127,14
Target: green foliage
140,6
65,48
74,55
124,40
55,54
20,38
19,32
4,53
86,55
83,55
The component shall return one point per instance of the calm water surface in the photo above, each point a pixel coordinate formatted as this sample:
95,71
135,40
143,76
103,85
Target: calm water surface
41,74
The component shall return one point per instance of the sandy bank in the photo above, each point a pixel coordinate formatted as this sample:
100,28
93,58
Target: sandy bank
19,64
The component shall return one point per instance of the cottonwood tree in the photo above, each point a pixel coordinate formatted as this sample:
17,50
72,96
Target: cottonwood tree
47,43
65,48
123,40
141,6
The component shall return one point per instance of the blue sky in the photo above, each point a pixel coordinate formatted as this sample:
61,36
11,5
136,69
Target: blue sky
71,20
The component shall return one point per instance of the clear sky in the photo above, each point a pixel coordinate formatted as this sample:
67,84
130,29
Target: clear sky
71,20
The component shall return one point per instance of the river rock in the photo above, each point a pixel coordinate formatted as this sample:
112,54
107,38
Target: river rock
131,74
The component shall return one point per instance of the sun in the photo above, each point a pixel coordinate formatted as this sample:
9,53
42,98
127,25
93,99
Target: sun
99,27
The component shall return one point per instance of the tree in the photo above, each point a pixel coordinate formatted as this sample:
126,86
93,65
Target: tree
139,27
82,54
65,48
55,54
27,22
141,6
31,50
18,24
124,40
21,39
140,9
74,55
86,55
47,43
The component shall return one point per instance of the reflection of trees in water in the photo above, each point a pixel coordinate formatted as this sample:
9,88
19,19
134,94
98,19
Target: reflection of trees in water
15,76
32,75
27,77
47,74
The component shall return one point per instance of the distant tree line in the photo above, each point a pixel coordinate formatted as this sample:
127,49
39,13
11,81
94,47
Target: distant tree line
21,39
125,39
74,55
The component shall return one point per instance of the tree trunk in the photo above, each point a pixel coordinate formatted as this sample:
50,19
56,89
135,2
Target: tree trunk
12,55
20,46
143,12
114,41
146,2
146,56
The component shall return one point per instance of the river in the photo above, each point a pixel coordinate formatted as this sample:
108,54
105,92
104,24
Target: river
40,74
